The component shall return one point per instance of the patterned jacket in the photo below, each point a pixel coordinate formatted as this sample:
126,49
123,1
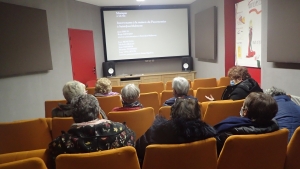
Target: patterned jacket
92,136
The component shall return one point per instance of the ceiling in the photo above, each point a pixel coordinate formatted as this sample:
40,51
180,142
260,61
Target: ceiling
135,3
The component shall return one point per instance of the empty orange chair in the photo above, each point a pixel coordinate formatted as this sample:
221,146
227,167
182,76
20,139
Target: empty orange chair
117,89
60,124
165,111
137,120
150,100
51,104
204,82
216,92
151,87
90,90
30,163
293,150
224,81
91,83
109,102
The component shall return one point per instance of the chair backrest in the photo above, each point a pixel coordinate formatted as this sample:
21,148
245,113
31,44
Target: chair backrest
50,105
150,100
266,151
204,82
293,150
124,157
223,81
195,155
151,87
109,102
117,89
167,94
90,90
168,85
30,163
165,111
91,83
60,124
24,135
217,111
216,92
137,120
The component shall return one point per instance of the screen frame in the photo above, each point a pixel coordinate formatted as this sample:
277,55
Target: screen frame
148,7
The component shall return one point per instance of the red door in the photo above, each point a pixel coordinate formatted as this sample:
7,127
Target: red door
82,55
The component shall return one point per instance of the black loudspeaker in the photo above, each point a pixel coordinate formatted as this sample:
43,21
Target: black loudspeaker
108,69
187,64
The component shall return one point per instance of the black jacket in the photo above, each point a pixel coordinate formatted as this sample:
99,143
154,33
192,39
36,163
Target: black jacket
241,90
240,126
174,131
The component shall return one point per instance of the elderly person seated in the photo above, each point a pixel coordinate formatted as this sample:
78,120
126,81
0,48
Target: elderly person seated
103,88
181,88
88,133
256,118
130,95
70,90
185,126
288,115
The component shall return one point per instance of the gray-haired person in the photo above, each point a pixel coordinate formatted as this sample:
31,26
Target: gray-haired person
88,133
130,95
288,115
181,88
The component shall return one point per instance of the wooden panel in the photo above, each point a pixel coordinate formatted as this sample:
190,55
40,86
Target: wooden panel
169,77
149,79
115,82
136,82
188,76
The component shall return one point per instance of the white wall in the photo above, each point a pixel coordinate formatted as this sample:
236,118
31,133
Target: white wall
282,75
22,97
210,69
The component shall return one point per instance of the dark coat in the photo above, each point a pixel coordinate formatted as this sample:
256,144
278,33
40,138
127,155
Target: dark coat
240,126
241,90
63,110
171,101
288,115
174,131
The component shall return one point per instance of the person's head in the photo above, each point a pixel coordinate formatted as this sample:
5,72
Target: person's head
85,107
187,109
238,74
103,86
180,86
130,93
260,108
274,91
72,89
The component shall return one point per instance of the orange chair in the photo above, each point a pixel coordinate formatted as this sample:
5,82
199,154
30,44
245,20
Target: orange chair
293,150
168,85
150,100
223,81
34,163
259,151
60,124
219,110
165,111
137,120
109,102
117,89
167,94
195,155
151,87
91,83
216,92
50,105
204,82
24,135
90,90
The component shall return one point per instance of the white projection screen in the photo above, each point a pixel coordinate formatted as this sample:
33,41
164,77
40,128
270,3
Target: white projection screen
133,33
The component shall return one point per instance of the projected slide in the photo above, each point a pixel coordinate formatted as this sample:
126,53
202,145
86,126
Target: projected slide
147,33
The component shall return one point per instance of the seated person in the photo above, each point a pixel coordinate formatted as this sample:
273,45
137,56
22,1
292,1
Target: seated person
103,88
70,90
256,118
181,88
130,95
288,115
88,133
185,126
241,84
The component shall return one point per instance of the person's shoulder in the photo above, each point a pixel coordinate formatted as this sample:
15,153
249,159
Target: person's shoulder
170,101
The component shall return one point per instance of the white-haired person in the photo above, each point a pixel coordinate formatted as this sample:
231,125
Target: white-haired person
70,90
288,115
103,88
130,98
88,133
180,87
